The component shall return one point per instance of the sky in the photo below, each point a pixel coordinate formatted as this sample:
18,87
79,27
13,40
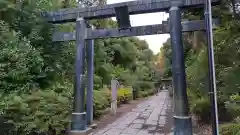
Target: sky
154,41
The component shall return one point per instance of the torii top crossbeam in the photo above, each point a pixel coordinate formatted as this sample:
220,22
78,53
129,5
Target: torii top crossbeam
134,7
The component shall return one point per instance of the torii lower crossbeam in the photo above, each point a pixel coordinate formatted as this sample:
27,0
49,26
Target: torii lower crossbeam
187,26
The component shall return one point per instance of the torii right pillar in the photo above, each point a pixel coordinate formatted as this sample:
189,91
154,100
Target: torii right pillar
182,120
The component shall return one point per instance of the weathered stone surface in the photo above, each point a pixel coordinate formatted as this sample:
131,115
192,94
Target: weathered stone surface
139,121
130,131
121,126
135,31
136,126
85,132
144,132
113,132
162,122
107,11
158,134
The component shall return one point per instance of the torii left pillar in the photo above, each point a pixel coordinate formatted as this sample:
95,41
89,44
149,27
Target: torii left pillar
78,125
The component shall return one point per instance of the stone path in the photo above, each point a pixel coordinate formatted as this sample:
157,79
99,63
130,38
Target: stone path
148,118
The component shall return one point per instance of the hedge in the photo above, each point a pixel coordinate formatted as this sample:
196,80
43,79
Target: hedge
230,129
124,95
200,106
233,109
39,109
36,111
102,99
146,93
100,102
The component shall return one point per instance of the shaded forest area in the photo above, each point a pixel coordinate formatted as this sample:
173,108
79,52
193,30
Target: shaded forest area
227,64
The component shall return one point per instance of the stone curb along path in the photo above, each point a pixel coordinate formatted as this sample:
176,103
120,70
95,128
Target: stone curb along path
148,118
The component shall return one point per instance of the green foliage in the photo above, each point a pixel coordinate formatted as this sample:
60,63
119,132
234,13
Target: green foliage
146,93
222,110
197,72
97,82
235,97
101,100
233,109
193,95
201,108
230,129
124,95
20,64
144,85
27,112
237,119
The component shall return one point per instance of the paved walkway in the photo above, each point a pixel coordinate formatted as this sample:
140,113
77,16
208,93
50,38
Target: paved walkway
148,118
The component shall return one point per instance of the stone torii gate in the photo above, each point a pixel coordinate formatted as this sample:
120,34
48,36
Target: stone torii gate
85,35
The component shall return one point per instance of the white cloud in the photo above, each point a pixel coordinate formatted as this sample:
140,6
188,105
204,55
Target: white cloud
154,41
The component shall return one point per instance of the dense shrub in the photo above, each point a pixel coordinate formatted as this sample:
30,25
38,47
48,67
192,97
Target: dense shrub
144,85
20,64
230,129
146,93
143,94
97,82
107,93
237,119
222,110
193,95
151,92
138,93
37,110
124,95
235,97
201,108
191,98
233,109
100,102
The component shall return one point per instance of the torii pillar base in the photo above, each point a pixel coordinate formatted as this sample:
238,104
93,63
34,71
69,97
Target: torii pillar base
83,132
